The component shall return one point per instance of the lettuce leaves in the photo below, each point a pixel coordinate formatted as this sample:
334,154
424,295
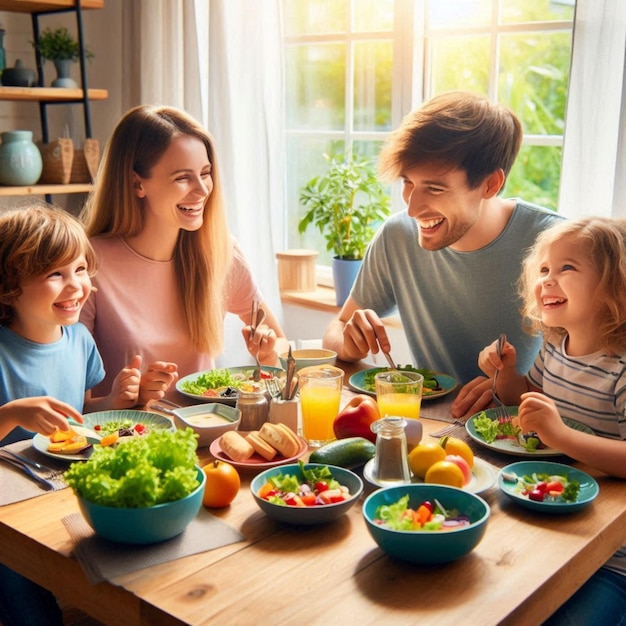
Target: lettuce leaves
143,471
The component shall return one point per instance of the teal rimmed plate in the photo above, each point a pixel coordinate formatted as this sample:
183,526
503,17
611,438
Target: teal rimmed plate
511,446
358,383
245,372
509,486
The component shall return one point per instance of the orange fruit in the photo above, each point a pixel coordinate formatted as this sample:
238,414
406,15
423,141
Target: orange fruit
424,455
458,447
222,484
445,473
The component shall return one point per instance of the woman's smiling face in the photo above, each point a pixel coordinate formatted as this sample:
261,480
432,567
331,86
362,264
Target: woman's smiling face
178,186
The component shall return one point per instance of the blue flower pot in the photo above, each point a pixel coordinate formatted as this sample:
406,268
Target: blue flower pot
20,159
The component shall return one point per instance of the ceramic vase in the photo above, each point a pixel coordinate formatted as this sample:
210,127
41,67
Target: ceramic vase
20,159
63,68
344,275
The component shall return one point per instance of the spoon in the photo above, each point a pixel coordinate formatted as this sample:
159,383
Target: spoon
260,318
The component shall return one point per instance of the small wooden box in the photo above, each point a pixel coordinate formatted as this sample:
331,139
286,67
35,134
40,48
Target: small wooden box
296,270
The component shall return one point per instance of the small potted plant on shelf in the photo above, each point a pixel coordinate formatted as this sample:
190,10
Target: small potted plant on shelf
346,203
62,49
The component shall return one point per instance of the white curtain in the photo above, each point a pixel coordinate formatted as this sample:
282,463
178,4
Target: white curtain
221,61
593,179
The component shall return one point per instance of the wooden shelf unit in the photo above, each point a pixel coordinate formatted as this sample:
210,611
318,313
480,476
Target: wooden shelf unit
52,95
41,6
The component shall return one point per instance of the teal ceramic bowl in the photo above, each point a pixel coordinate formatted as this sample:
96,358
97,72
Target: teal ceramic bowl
422,546
308,357
309,515
145,525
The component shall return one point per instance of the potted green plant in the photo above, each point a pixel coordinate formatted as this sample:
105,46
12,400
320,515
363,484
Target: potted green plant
346,203
62,49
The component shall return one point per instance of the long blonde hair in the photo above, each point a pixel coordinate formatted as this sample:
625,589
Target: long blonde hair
33,240
604,239
201,258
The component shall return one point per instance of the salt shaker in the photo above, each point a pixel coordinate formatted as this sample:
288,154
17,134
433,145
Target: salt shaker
391,465
254,409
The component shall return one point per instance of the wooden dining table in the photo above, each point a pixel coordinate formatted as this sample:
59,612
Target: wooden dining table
525,567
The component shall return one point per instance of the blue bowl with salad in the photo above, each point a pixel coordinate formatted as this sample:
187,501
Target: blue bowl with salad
426,523
305,494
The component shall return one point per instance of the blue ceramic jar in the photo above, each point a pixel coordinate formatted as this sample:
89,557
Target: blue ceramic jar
20,159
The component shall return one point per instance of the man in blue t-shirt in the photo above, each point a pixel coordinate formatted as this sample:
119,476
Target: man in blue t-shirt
450,264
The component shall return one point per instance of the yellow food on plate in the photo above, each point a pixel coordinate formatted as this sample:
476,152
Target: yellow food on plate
236,446
455,446
67,442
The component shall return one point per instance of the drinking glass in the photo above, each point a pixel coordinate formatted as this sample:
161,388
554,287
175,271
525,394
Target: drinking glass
320,397
399,394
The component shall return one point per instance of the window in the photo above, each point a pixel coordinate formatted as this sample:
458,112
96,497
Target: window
354,68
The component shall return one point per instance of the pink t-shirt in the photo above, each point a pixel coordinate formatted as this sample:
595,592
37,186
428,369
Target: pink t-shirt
137,310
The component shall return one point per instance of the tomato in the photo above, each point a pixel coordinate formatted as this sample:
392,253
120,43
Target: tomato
309,500
139,428
554,486
321,485
330,496
536,495
210,393
222,484
266,375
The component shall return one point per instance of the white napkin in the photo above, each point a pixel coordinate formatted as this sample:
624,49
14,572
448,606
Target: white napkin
105,560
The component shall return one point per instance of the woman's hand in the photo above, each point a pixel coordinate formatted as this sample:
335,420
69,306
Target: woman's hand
156,380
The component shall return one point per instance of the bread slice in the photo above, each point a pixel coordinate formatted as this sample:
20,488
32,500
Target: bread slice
235,446
280,437
261,446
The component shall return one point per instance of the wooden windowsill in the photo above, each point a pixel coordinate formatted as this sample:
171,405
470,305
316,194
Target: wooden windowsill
323,299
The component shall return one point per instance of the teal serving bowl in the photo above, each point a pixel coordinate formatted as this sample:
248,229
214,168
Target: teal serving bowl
145,525
423,546
308,515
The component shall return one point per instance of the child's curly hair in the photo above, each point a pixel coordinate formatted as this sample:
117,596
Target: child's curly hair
604,239
33,240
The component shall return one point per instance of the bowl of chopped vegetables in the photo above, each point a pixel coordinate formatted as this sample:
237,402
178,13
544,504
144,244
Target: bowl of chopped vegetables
547,487
426,523
305,494
145,490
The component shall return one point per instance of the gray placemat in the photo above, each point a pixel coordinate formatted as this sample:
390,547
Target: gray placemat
105,560
15,485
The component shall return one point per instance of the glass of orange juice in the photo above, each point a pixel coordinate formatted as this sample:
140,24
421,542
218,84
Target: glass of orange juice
320,397
399,394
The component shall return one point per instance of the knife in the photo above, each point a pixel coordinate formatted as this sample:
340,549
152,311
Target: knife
27,470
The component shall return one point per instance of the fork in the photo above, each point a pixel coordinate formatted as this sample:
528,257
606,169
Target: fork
500,411
47,483
446,430
45,471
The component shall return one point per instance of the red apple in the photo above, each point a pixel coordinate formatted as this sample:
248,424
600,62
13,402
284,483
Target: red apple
355,419
463,466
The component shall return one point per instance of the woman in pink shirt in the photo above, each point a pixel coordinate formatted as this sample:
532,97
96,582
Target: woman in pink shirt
169,268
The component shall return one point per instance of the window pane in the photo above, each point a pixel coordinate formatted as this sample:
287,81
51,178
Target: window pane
537,10
536,176
306,160
534,75
455,13
373,15
315,16
372,85
460,63
315,76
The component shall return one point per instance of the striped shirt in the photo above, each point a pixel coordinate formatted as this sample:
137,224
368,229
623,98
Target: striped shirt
590,389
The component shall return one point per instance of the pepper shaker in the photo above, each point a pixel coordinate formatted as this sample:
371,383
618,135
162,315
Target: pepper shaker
254,409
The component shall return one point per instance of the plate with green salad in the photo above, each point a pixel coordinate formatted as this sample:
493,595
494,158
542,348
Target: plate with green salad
506,437
223,385
435,383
